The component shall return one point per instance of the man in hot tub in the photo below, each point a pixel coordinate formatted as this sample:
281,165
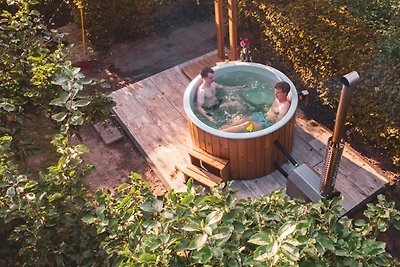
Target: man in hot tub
206,93
258,120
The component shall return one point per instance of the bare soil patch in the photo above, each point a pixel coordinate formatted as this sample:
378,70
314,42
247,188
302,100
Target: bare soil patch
114,162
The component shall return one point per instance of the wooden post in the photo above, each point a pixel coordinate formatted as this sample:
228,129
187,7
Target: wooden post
233,54
219,23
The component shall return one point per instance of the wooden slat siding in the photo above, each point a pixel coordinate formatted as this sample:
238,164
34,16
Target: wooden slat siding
211,60
154,144
268,146
194,135
277,135
279,177
287,136
243,157
169,165
192,70
216,145
378,177
251,158
208,140
242,191
177,103
276,154
366,181
177,133
262,186
156,104
168,85
346,166
127,107
299,131
202,140
224,148
179,76
147,133
282,137
292,133
233,158
303,152
260,156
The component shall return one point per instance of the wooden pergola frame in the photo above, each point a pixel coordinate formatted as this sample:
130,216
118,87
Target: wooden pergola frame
219,22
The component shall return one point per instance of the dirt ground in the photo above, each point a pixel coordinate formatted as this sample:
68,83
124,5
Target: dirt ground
114,162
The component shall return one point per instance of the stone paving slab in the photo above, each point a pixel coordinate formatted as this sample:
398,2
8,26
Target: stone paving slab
108,132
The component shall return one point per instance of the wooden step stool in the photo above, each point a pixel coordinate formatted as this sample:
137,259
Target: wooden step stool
206,169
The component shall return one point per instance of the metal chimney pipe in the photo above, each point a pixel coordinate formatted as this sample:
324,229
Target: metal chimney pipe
348,81
335,144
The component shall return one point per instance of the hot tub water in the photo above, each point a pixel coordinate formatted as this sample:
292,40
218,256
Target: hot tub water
257,96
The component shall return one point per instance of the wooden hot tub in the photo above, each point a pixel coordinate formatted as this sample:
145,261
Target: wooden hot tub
252,154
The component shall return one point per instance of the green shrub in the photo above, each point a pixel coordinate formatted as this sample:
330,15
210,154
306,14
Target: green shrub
323,45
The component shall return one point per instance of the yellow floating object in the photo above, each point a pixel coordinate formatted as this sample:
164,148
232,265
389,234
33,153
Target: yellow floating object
250,128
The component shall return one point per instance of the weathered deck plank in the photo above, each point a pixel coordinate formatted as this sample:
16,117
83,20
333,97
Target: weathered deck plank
151,112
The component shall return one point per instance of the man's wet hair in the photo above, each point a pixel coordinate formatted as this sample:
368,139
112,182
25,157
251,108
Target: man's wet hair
205,71
284,86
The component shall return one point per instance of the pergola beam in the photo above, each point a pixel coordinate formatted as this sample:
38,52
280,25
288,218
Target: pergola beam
232,23
232,29
219,23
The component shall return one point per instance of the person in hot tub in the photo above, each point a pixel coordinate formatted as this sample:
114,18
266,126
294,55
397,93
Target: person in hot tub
206,98
258,120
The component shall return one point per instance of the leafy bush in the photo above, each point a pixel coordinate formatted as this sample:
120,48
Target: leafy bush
185,229
322,46
29,64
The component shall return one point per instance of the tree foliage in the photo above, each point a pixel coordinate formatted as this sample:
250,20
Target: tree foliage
330,41
31,59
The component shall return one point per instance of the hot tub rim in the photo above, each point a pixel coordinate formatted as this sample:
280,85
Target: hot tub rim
288,116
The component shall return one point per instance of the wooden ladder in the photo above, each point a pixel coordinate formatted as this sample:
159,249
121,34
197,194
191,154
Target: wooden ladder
206,169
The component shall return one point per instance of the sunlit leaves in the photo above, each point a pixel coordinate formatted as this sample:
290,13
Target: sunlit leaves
334,38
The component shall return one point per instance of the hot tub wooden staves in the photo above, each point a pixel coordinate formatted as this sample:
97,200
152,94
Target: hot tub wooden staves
248,158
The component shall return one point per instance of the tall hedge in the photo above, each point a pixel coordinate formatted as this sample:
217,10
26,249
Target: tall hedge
320,42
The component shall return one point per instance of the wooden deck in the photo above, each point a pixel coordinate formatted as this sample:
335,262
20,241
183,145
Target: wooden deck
151,112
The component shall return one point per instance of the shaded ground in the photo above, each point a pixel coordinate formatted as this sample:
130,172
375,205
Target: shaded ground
113,163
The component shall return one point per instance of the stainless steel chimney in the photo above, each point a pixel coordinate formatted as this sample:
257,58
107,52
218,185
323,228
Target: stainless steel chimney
335,143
